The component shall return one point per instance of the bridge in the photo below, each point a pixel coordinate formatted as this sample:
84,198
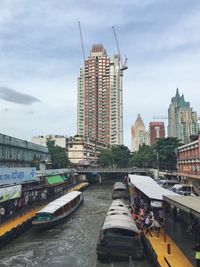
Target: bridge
107,170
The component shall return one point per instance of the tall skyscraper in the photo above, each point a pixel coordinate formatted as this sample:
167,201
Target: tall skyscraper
182,120
99,113
157,131
139,135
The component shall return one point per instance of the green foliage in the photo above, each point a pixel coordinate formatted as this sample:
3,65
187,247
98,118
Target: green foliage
58,155
121,155
166,149
143,158
106,157
116,156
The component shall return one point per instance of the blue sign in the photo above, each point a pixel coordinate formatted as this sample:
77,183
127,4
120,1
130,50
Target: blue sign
17,175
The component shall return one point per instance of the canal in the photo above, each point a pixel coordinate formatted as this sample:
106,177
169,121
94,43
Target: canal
71,244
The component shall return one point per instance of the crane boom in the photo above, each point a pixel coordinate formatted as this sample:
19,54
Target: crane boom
123,65
117,44
83,51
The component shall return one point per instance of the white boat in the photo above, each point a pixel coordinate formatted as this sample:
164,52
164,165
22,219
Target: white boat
119,235
58,210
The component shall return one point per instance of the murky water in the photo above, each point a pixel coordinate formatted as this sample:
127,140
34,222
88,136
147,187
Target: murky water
71,244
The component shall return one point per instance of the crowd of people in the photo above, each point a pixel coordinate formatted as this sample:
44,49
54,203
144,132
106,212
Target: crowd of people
148,220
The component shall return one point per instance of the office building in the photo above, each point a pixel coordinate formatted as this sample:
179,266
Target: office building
182,120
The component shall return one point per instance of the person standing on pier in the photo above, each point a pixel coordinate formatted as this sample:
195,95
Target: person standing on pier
197,254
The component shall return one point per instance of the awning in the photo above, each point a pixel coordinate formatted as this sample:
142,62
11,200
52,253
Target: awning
54,179
188,204
149,187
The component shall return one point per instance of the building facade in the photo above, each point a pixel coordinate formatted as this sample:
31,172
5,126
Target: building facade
189,162
84,151
156,131
41,140
99,102
139,135
182,120
15,152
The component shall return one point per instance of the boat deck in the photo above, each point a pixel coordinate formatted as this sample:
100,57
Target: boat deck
13,223
176,258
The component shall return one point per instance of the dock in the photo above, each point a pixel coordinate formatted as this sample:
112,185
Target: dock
168,254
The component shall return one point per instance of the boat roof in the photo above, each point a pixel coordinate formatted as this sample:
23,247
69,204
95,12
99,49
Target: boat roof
190,204
149,187
119,185
119,217
59,202
119,221
118,210
118,203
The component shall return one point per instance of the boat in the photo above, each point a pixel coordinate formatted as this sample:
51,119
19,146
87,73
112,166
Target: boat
58,210
119,236
119,191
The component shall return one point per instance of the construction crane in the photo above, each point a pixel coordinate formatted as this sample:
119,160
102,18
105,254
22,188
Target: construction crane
160,118
123,66
80,31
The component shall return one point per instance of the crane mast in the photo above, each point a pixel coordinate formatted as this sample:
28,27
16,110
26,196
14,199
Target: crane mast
80,31
123,66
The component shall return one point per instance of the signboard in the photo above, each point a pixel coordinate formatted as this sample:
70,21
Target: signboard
156,204
17,175
11,192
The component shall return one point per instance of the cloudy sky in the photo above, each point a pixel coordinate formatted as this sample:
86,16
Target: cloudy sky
40,57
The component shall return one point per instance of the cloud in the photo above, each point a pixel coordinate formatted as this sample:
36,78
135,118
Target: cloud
13,96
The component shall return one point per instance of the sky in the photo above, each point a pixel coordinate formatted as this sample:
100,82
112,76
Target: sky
40,58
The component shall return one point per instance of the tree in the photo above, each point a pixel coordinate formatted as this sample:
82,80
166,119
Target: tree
143,158
58,155
118,155
106,157
166,149
121,155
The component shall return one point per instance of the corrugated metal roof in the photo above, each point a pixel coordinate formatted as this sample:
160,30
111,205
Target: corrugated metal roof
60,202
149,187
187,203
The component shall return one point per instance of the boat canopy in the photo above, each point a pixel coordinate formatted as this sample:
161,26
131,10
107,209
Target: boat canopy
149,187
119,186
60,202
190,204
119,221
119,217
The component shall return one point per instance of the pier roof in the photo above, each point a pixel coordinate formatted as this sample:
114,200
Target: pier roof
149,187
189,204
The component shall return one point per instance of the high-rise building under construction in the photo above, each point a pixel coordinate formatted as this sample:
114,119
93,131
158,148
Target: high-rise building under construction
99,105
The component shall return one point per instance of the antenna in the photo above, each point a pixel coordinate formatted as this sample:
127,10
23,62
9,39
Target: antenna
83,52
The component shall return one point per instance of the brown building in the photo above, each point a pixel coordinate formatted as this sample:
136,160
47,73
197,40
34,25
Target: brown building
189,162
157,131
99,105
